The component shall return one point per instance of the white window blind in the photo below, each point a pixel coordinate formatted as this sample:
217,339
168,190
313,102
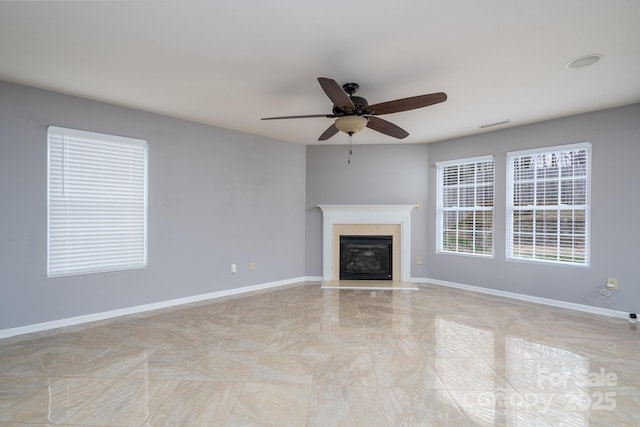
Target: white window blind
465,206
97,202
548,204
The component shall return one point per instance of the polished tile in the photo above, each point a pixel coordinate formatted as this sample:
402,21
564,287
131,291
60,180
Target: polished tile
225,366
168,365
409,372
15,388
467,373
57,401
500,407
345,367
348,406
127,402
197,403
51,361
420,407
305,356
283,368
390,345
247,338
302,343
268,404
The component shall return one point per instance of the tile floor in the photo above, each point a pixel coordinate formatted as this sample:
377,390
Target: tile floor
304,356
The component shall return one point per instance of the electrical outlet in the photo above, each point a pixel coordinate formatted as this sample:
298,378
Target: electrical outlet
234,269
252,266
612,283
418,260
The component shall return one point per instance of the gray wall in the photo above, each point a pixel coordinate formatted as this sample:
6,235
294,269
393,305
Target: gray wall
615,138
216,197
378,175
410,177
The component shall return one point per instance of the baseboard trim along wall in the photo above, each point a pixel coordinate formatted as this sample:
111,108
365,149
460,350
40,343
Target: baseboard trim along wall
71,321
54,324
528,298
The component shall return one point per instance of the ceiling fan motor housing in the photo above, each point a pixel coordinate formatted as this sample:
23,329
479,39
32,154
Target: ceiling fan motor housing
359,102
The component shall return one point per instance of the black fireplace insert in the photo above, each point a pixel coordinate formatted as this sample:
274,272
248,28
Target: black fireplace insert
366,257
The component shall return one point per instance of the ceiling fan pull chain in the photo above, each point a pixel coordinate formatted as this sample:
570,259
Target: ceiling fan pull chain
350,151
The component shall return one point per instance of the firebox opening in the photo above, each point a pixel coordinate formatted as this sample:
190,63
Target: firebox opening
366,257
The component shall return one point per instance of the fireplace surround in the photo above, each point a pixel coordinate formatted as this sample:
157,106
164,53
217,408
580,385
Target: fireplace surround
392,220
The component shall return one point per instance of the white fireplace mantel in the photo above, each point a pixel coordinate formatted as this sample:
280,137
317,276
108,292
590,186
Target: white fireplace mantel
367,214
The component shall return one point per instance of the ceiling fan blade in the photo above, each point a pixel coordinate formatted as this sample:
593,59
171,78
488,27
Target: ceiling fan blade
335,93
406,104
299,117
331,130
388,128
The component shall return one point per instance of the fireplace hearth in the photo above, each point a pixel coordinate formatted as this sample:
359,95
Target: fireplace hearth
366,257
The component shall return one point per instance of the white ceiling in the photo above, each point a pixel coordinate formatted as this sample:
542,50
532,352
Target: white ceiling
229,63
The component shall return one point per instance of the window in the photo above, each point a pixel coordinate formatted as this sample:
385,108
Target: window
548,204
96,202
465,206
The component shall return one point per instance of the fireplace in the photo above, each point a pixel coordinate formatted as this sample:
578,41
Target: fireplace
366,257
369,220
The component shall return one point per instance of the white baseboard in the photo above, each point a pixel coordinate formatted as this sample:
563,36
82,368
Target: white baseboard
38,327
528,298
54,324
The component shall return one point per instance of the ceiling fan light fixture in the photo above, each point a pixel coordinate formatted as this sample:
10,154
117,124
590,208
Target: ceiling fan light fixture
351,124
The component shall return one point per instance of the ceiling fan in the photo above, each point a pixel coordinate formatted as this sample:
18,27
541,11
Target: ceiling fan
353,113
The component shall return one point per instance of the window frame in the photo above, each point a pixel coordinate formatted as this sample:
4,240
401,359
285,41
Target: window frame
97,216
441,209
557,208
